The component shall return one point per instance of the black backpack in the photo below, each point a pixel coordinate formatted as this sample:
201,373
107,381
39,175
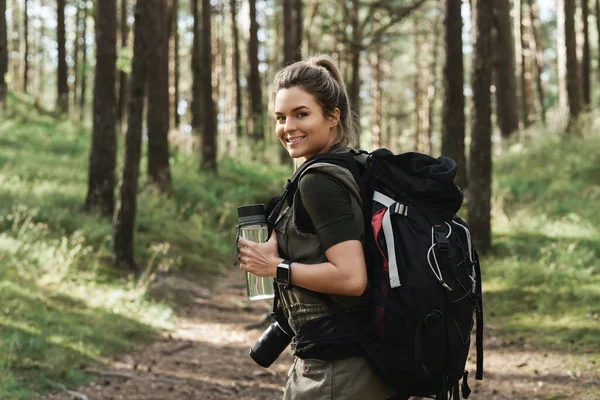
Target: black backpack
423,268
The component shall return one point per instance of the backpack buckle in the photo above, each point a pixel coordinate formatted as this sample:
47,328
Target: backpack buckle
440,238
399,208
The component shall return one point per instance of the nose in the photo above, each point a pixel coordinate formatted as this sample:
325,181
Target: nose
290,125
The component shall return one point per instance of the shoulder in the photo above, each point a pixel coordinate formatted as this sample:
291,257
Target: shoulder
323,174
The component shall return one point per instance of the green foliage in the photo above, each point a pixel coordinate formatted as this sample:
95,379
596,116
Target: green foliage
63,306
542,281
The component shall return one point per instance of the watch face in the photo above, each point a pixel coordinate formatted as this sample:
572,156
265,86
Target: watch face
283,273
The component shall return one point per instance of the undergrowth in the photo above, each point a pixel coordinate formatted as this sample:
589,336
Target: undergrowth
63,305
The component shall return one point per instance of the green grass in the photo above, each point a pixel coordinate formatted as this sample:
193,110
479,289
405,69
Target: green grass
542,279
63,306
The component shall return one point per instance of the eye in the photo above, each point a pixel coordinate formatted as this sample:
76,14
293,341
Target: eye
279,118
302,114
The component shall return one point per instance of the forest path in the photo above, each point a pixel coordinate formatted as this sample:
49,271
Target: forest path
206,357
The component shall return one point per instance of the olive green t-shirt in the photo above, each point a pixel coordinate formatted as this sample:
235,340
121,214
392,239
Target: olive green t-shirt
326,209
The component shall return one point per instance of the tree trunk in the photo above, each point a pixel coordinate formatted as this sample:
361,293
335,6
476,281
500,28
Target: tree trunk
536,46
76,49
504,70
124,222
102,164
84,63
15,45
308,47
157,67
26,51
432,79
376,96
299,26
453,112
526,97
355,49
289,43
62,102
480,165
256,125
231,142
209,126
585,58
598,29
174,18
573,79
417,91
196,106
236,68
561,55
3,54
41,50
122,105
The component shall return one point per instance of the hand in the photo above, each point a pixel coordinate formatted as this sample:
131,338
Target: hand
261,259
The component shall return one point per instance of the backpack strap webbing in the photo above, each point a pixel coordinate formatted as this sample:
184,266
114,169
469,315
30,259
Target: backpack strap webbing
479,316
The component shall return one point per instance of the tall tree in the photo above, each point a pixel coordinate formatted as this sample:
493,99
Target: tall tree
209,126
26,50
504,70
255,107
561,55
3,54
585,56
236,67
291,53
453,112
196,106
536,47
124,220
41,51
62,102
158,94
480,164
525,70
299,25
84,61
598,29
376,97
431,74
572,66
102,164
417,86
76,50
122,105
15,51
358,33
174,37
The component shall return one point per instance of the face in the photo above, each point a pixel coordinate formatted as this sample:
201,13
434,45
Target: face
301,126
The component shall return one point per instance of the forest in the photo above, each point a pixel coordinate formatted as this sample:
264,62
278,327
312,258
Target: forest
131,130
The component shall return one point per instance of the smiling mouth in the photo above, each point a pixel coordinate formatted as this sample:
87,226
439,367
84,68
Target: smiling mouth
295,140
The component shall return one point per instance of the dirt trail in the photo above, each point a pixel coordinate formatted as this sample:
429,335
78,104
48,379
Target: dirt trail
206,358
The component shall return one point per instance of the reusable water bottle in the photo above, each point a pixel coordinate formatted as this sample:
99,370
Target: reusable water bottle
253,226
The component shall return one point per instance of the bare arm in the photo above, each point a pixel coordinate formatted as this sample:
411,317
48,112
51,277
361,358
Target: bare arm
345,272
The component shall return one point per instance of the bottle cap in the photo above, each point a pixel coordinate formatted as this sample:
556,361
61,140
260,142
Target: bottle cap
252,213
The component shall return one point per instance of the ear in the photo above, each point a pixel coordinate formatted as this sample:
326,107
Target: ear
334,117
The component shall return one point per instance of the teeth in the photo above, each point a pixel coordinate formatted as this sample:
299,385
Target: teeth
296,140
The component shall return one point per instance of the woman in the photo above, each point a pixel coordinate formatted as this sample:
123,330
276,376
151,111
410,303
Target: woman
316,249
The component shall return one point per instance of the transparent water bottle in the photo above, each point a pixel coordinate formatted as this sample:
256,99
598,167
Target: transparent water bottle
253,226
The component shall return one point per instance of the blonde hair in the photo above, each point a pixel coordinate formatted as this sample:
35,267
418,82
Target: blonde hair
320,77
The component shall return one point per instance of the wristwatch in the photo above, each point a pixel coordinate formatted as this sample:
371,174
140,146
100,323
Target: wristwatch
284,274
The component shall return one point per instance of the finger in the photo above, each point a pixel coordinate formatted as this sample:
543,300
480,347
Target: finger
244,251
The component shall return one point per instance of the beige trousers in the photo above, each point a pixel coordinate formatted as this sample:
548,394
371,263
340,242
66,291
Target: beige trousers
347,379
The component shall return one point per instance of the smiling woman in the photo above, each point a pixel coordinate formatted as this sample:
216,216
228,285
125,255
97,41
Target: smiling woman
315,252
302,127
